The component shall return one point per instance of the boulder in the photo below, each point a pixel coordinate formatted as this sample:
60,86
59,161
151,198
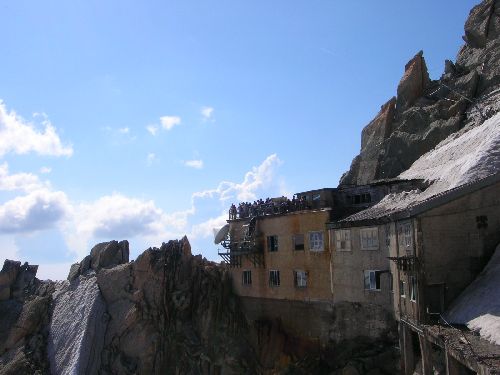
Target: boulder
74,271
108,254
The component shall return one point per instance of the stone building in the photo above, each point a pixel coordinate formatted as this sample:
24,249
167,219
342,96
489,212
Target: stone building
434,249
280,255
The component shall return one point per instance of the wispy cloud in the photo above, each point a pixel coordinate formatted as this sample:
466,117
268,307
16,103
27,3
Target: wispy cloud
45,170
168,122
120,135
207,113
327,51
197,163
152,129
151,158
19,136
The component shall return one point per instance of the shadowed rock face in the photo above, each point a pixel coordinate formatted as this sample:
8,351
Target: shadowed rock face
24,317
426,112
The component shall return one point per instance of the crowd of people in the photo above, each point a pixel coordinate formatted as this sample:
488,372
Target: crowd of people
271,206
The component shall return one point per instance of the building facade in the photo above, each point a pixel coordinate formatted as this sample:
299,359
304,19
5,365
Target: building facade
434,249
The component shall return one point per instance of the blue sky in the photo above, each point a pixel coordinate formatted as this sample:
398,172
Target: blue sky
145,120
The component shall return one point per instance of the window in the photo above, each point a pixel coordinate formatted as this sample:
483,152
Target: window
298,242
407,234
247,277
372,280
274,278
316,241
413,288
272,243
388,235
369,238
402,288
361,198
300,277
343,240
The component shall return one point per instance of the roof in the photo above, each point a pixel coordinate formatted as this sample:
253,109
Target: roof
464,162
478,307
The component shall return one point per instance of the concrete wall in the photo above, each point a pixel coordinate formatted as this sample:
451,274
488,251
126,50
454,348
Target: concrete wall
453,248
348,270
286,259
323,322
308,320
450,248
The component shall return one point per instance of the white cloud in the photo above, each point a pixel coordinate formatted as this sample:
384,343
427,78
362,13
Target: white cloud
207,113
20,136
153,129
20,181
197,164
45,170
151,158
119,216
168,122
210,227
40,209
258,178
124,130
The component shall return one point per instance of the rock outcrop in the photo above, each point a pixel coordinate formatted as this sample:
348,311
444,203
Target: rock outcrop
425,112
102,255
167,312
25,313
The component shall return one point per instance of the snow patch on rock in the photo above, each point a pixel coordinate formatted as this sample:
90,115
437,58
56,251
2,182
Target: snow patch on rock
478,306
456,161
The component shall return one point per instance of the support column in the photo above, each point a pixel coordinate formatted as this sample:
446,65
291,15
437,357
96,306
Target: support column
426,350
453,367
407,353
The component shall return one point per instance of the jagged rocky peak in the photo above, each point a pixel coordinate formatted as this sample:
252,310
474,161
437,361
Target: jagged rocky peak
425,112
413,83
15,279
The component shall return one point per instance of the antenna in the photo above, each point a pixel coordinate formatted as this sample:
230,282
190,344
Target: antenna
221,234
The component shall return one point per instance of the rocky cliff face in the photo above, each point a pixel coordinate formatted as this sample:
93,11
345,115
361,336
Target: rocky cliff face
425,112
167,312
